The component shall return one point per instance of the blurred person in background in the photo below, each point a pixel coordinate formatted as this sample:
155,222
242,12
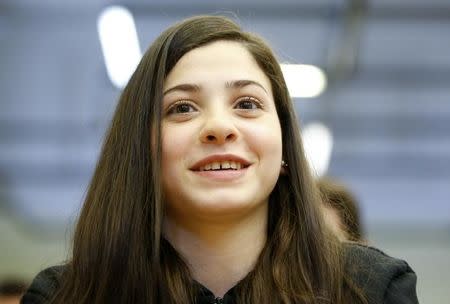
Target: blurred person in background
11,290
341,210
202,193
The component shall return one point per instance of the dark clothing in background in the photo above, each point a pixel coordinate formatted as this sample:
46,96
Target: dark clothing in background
385,280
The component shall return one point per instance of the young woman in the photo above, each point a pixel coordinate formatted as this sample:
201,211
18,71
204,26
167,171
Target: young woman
202,193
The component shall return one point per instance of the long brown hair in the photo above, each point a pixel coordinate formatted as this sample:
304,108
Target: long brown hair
119,254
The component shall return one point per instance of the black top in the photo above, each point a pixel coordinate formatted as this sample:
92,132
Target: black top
384,280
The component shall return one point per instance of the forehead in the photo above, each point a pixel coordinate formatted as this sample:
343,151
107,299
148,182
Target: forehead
219,61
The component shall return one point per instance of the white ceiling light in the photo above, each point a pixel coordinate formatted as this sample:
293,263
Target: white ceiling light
304,80
121,52
119,42
318,144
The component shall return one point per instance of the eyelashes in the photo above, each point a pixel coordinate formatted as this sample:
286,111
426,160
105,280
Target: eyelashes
183,107
248,103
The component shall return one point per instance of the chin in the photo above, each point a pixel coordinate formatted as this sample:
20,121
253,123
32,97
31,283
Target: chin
223,205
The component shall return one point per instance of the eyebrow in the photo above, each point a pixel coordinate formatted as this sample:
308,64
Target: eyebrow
243,83
187,87
237,84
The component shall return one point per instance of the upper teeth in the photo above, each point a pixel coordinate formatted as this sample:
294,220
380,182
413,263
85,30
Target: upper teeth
221,165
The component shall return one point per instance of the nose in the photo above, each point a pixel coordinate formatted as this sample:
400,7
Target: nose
218,129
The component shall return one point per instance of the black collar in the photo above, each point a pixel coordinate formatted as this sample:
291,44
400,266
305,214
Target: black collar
205,296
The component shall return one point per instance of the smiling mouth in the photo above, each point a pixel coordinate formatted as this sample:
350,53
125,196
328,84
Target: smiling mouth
222,166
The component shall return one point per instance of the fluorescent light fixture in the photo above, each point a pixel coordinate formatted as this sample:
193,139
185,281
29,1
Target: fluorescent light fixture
318,144
304,80
121,51
119,42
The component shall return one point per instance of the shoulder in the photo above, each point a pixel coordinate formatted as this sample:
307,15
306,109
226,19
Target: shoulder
43,286
382,278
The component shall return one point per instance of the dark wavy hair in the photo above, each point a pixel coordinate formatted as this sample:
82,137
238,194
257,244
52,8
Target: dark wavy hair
119,254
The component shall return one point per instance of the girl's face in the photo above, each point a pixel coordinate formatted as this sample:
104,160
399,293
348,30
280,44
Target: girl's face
221,137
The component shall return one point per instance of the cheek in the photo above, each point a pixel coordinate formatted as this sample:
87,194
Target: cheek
175,143
266,139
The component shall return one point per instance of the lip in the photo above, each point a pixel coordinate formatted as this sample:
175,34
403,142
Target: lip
219,158
222,175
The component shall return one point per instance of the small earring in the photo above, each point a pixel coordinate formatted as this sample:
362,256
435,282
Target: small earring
284,164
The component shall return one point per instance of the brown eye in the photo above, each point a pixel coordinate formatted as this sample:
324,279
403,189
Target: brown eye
248,103
181,108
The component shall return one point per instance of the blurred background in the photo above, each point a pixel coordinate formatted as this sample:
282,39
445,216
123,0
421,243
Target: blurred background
386,105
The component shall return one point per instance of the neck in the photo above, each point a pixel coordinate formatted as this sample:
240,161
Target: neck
219,254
